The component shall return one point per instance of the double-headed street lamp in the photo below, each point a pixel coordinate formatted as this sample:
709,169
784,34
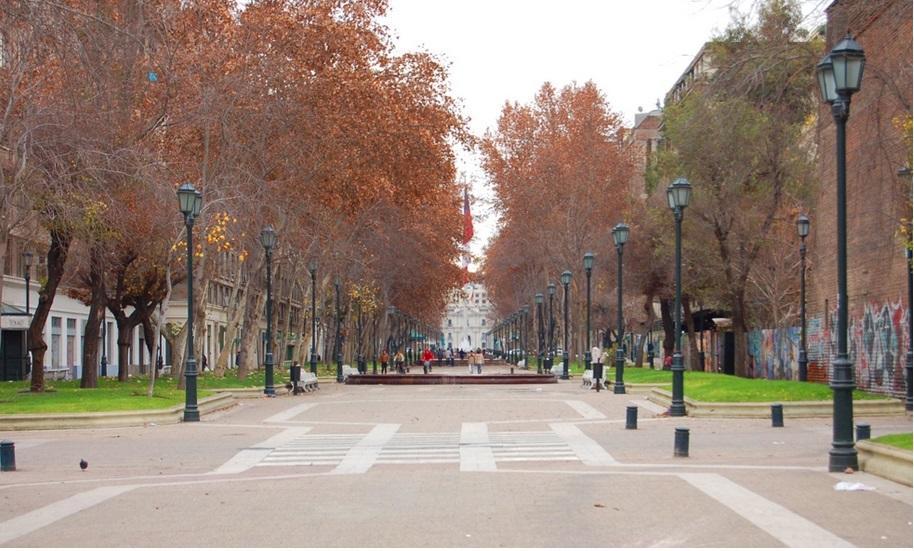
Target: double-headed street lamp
802,231
190,202
678,194
566,280
620,236
839,74
312,269
538,299
268,240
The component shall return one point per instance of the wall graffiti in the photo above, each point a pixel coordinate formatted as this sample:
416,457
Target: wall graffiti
878,340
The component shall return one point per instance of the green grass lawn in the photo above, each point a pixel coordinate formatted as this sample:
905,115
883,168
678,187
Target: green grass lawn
67,397
716,387
902,440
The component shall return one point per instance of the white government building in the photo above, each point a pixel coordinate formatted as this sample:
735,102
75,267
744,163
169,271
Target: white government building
468,316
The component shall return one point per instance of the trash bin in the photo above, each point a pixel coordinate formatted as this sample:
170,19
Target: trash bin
597,368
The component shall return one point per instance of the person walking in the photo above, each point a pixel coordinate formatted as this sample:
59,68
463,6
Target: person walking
450,356
398,361
384,359
480,360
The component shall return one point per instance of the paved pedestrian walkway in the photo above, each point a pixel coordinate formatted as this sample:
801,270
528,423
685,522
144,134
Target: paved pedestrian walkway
446,466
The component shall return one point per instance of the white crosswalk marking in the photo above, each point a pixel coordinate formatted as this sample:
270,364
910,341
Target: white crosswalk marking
474,448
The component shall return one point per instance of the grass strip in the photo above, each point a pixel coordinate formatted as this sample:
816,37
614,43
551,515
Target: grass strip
900,440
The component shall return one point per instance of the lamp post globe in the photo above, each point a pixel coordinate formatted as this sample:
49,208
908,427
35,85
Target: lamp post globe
620,237
678,195
802,360
840,74
268,240
190,203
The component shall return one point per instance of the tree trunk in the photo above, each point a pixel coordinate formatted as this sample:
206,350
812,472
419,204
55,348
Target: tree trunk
693,363
739,340
57,258
125,328
248,360
178,344
97,307
669,338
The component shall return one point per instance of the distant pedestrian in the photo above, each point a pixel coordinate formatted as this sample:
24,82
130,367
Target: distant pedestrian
203,363
398,361
668,362
480,360
427,358
384,359
450,356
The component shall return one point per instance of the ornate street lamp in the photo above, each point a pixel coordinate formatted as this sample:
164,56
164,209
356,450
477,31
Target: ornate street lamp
802,231
525,333
312,269
566,280
678,194
190,203
588,269
538,299
337,343
268,240
550,335
620,237
840,74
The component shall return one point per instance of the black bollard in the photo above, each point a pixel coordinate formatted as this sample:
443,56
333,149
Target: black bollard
863,431
7,456
631,417
777,415
681,444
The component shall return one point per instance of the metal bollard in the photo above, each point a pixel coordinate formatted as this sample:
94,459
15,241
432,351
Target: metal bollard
7,456
777,415
681,444
863,431
631,417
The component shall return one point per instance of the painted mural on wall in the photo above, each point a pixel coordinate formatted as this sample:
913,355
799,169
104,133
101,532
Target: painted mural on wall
878,342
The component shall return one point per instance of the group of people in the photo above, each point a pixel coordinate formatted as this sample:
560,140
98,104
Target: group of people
399,362
476,360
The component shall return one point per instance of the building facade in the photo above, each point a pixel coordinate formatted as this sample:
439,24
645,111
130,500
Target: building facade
468,318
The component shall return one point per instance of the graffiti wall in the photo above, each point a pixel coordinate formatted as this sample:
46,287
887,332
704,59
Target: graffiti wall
878,342
773,353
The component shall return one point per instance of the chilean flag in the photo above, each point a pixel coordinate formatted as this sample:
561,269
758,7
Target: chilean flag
467,217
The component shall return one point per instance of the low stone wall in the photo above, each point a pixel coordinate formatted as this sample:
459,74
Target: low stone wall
45,421
762,410
886,461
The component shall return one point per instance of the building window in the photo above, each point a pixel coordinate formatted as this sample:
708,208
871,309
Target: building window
483,322
55,342
71,342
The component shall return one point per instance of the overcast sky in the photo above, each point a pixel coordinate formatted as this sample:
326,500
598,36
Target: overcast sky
504,50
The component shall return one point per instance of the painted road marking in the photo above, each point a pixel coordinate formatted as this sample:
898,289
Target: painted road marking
363,455
39,518
778,521
288,414
245,459
585,410
475,452
591,453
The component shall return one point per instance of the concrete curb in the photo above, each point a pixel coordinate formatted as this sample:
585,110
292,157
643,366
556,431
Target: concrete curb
249,393
888,462
762,410
45,421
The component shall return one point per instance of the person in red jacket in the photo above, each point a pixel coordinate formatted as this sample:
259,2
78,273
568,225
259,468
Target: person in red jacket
427,358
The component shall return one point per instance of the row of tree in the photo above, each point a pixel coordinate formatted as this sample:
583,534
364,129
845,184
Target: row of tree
742,136
290,113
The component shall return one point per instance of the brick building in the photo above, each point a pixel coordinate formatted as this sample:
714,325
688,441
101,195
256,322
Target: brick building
878,200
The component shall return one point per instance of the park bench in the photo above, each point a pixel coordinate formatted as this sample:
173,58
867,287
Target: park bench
308,381
349,370
57,373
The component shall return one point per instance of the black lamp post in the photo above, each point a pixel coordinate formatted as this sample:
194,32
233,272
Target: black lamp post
550,335
678,194
312,269
190,202
803,231
337,343
839,74
525,333
538,299
27,257
588,269
566,279
620,236
268,240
